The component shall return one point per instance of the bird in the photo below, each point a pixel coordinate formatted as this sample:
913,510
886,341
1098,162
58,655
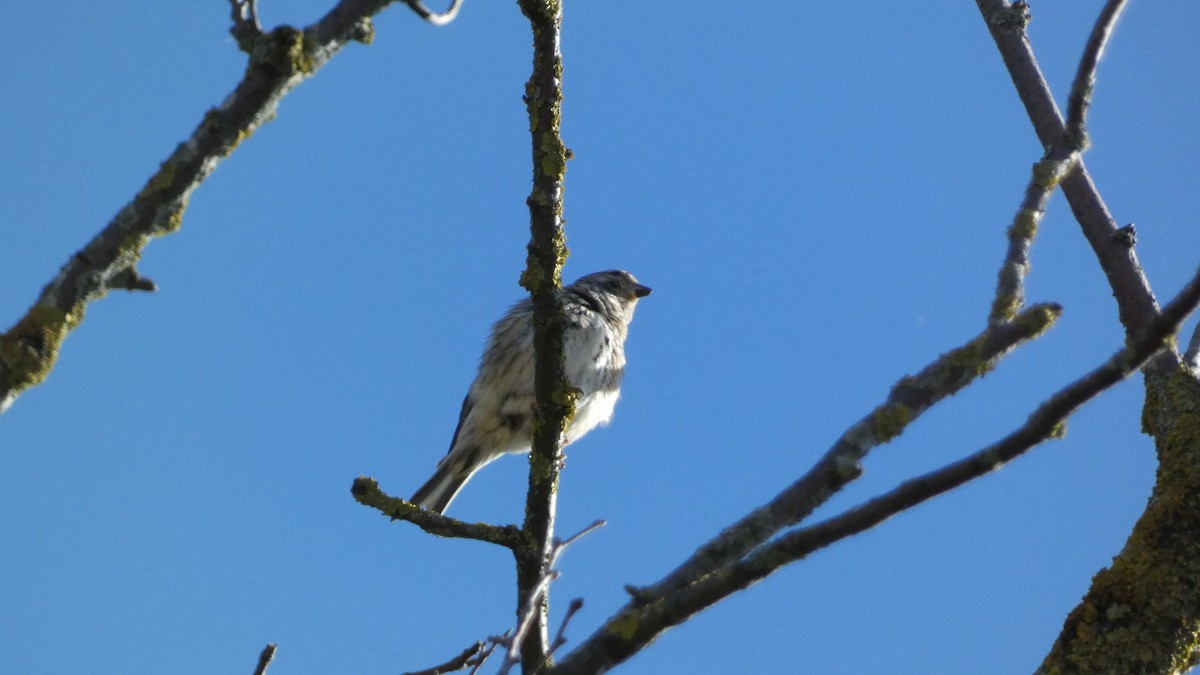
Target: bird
497,413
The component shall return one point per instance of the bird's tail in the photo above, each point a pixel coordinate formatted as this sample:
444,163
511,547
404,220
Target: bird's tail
437,493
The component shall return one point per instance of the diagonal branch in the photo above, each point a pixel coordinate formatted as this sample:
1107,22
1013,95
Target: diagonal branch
278,62
908,400
642,620
471,656
1085,76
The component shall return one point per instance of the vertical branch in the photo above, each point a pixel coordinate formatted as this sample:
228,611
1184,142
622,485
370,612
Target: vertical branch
543,279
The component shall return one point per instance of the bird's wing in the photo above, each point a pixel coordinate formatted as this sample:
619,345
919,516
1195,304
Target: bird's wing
462,416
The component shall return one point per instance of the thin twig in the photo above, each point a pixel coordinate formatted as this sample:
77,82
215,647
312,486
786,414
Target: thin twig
366,492
433,17
493,642
246,28
560,638
531,606
468,657
1010,284
264,659
1085,76
530,609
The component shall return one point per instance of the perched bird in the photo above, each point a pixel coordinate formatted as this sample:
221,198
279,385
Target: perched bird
497,414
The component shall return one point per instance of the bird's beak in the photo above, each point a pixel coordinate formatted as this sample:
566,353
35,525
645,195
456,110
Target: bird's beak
640,291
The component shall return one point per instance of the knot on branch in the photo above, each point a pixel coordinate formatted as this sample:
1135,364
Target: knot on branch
1011,19
284,52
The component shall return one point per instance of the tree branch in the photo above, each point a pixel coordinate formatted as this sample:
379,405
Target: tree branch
1085,76
471,656
246,29
642,620
531,609
433,17
908,400
547,251
1060,158
366,492
278,62
1135,301
264,659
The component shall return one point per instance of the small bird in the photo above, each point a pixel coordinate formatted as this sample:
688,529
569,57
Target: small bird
497,414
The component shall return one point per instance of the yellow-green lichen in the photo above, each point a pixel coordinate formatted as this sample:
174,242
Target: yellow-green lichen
1041,319
889,420
540,467
30,348
174,220
533,275
161,180
1048,172
1143,613
1025,224
1006,306
364,32
624,626
967,360
1059,431
300,53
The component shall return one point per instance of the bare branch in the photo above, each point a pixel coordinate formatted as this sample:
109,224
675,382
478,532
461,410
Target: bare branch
1085,76
1010,287
560,638
279,61
908,400
531,605
530,609
433,17
641,620
471,656
1135,300
246,29
1061,157
493,642
366,492
1047,421
264,659
547,251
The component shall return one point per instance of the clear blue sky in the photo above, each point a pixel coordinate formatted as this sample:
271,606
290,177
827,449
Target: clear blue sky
817,193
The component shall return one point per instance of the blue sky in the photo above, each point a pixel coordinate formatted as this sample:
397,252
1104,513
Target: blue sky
818,195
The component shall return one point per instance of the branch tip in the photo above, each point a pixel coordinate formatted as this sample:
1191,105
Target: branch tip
471,656
246,29
433,17
265,658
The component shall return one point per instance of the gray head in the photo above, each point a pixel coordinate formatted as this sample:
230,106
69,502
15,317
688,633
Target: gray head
617,290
